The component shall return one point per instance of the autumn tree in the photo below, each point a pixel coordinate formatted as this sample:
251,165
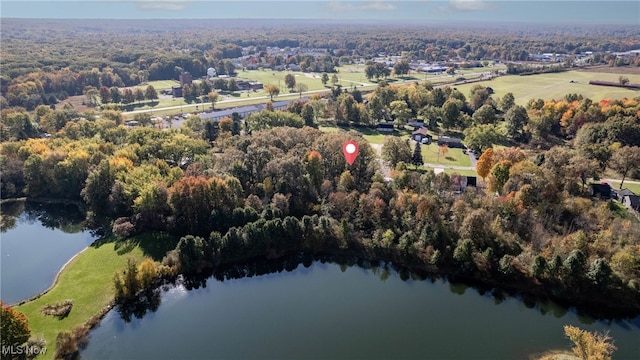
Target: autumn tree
213,98
485,163
15,329
272,90
290,81
139,94
396,150
334,79
625,159
590,346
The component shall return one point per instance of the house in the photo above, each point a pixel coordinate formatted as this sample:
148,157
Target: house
422,136
415,123
600,190
185,79
385,127
619,194
450,142
632,202
176,91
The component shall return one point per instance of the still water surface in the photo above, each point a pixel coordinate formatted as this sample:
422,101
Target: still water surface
329,311
35,242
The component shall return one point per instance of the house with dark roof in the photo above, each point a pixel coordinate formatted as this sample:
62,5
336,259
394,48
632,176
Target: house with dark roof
602,191
619,194
421,136
416,123
450,142
632,202
385,127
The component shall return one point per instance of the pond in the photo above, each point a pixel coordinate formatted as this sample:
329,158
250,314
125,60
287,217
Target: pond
35,242
323,310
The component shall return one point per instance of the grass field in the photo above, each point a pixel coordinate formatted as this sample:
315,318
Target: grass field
371,135
556,86
633,187
451,157
87,280
160,84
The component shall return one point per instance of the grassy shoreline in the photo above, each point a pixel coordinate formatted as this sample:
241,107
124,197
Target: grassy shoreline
87,280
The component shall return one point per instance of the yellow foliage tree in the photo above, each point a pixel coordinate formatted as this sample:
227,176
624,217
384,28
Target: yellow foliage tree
590,346
484,164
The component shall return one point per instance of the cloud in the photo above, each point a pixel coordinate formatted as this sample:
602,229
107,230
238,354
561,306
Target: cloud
168,5
468,5
338,6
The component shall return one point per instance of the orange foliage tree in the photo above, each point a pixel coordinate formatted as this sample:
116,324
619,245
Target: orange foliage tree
484,164
15,329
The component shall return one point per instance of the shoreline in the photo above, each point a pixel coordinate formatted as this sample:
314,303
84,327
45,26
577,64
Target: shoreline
55,280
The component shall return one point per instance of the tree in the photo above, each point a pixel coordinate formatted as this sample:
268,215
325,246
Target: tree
625,159
300,88
484,115
451,113
516,118
396,150
272,90
139,94
15,329
290,81
232,85
400,111
105,95
324,78
485,163
623,80
92,94
507,102
416,158
481,137
150,93
115,94
128,96
590,346
334,79
401,67
213,98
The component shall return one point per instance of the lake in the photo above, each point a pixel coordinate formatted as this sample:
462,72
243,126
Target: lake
35,242
323,310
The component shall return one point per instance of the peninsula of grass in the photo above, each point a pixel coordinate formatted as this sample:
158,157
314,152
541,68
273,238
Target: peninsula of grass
87,280
450,171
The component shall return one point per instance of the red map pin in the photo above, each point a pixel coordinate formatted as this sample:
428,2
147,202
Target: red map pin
350,150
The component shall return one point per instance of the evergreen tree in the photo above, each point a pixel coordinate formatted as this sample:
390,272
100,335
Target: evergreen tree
416,158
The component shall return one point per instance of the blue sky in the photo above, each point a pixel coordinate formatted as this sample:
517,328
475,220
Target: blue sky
533,11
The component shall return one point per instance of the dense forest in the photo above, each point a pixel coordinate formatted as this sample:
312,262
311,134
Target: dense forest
45,61
280,187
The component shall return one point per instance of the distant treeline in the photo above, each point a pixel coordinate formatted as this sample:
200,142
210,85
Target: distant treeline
614,83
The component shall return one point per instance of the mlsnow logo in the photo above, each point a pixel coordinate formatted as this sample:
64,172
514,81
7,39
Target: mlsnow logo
23,350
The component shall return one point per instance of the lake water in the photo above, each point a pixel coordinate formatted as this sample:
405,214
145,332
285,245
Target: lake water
323,310
35,242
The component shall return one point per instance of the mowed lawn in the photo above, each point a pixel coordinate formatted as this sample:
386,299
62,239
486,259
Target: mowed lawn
556,86
160,84
455,171
631,186
87,280
431,154
372,136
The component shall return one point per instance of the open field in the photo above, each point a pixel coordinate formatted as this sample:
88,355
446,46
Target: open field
160,84
430,155
620,70
371,135
87,280
556,86
631,186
